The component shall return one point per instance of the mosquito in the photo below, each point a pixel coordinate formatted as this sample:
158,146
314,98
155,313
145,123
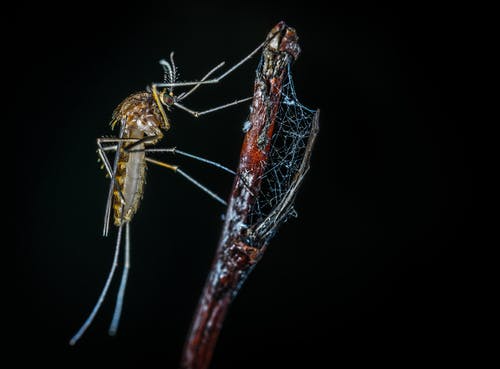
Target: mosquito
142,120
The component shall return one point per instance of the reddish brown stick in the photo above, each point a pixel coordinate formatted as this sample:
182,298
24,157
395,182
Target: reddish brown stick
240,247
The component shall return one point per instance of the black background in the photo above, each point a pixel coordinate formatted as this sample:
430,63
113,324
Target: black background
370,272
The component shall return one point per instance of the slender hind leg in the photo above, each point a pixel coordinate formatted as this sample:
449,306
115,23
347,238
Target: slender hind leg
197,114
176,169
123,284
174,151
101,298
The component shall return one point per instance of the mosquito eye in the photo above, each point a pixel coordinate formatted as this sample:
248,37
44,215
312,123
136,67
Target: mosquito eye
168,100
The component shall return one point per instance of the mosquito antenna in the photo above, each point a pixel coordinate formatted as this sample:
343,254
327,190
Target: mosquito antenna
123,284
174,69
169,69
97,306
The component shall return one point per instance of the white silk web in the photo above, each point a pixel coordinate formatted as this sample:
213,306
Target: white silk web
291,133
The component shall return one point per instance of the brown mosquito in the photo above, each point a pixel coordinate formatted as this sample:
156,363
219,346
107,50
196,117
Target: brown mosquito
142,120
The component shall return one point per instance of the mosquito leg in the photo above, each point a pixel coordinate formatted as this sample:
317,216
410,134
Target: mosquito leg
123,284
197,84
118,141
210,162
214,80
109,148
197,114
101,149
174,150
111,173
176,169
147,139
103,157
242,61
133,143
97,306
183,95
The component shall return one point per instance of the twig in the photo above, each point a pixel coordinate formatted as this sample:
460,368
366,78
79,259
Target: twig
242,242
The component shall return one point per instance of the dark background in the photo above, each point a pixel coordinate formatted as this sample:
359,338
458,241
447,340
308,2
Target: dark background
372,270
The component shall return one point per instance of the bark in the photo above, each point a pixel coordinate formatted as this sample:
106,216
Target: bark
242,245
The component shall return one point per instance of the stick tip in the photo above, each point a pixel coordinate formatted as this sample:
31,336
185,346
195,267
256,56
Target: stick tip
284,38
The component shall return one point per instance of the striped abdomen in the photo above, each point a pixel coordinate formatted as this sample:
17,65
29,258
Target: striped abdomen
130,176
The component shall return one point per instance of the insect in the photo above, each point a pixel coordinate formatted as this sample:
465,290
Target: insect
142,121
